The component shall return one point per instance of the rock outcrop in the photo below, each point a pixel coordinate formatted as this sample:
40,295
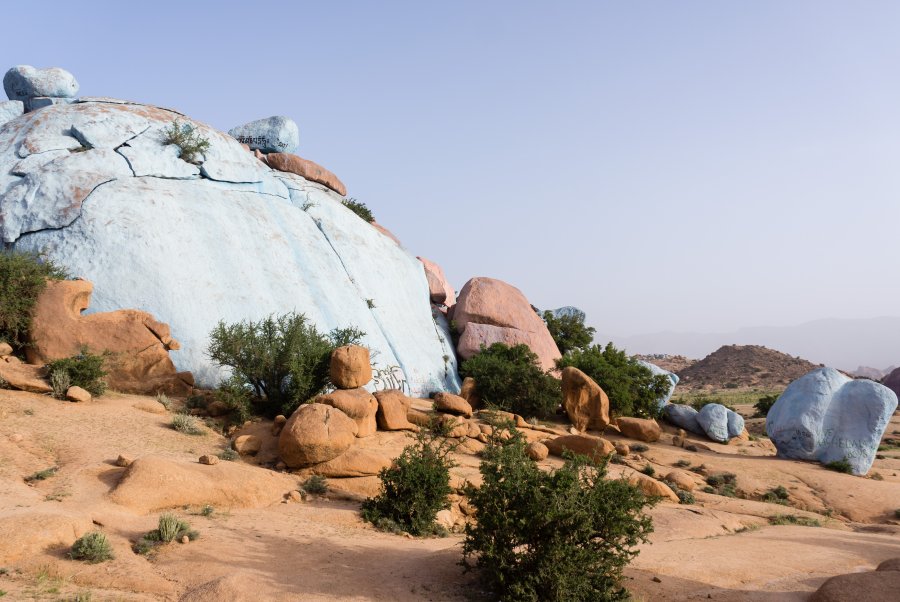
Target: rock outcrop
315,433
97,186
584,401
11,109
270,135
139,344
827,417
714,420
441,293
491,311
306,169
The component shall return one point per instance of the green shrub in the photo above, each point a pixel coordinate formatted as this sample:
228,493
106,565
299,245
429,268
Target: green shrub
164,400
569,331
632,388
84,370
415,488
724,483
186,424
282,359
841,465
778,495
23,277
42,475
765,404
171,527
60,383
682,463
238,398
229,455
91,547
639,447
648,470
790,519
701,401
510,379
187,138
566,534
359,208
315,485
685,497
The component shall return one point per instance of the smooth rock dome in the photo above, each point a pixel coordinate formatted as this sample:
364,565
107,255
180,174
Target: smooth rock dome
96,186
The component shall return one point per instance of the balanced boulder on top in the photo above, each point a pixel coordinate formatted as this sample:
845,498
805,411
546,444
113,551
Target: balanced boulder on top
270,135
24,82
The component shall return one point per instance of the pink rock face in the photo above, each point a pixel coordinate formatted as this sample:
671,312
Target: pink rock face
491,311
441,291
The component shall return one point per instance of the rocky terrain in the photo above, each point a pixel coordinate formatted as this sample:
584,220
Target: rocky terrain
736,366
163,240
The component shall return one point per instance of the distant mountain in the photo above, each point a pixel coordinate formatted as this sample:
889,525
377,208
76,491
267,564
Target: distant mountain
834,342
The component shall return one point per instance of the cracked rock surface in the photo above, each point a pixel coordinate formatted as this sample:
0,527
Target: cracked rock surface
95,185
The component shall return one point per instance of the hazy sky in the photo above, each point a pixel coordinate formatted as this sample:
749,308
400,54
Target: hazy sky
663,165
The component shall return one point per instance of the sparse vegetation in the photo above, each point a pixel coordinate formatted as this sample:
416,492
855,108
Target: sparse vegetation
84,370
510,379
765,404
791,519
841,465
639,448
778,495
42,475
229,455
207,510
700,401
648,470
569,331
187,138
359,208
91,547
723,483
632,388
23,277
415,488
60,383
164,400
169,528
186,424
682,463
278,362
315,485
560,535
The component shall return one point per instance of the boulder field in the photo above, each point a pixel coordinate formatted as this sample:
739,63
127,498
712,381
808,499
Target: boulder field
95,184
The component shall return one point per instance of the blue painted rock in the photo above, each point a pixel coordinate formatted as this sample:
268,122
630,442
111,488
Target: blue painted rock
270,135
735,424
656,370
684,417
713,419
10,109
826,416
97,186
24,81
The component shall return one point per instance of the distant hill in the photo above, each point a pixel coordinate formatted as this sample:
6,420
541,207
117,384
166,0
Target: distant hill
838,343
744,366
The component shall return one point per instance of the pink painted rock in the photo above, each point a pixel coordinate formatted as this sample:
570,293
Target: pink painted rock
306,169
499,313
441,291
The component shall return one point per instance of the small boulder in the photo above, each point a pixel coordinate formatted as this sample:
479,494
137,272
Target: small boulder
350,367
713,419
278,424
622,449
595,447
584,401
537,451
440,291
456,427
306,169
217,408
208,460
124,461
453,404
24,377
270,135
358,404
469,392
247,445
639,428
651,487
23,82
5,349
682,478
77,394
315,433
393,408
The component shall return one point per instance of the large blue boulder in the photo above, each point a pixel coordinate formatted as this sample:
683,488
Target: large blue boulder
684,417
826,416
656,370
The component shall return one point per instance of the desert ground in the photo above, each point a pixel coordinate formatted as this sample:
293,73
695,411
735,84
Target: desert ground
261,543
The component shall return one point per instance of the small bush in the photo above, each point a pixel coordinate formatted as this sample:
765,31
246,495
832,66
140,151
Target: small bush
510,379
560,535
632,388
778,495
724,483
569,331
790,519
359,208
682,463
765,404
841,465
186,424
229,455
415,488
171,528
207,510
315,485
84,370
701,401
617,459
164,400
60,383
236,395
685,497
91,547
187,138
42,475
23,277
283,360
648,470
639,447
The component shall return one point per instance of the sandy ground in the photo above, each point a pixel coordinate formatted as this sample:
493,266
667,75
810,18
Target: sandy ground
261,548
